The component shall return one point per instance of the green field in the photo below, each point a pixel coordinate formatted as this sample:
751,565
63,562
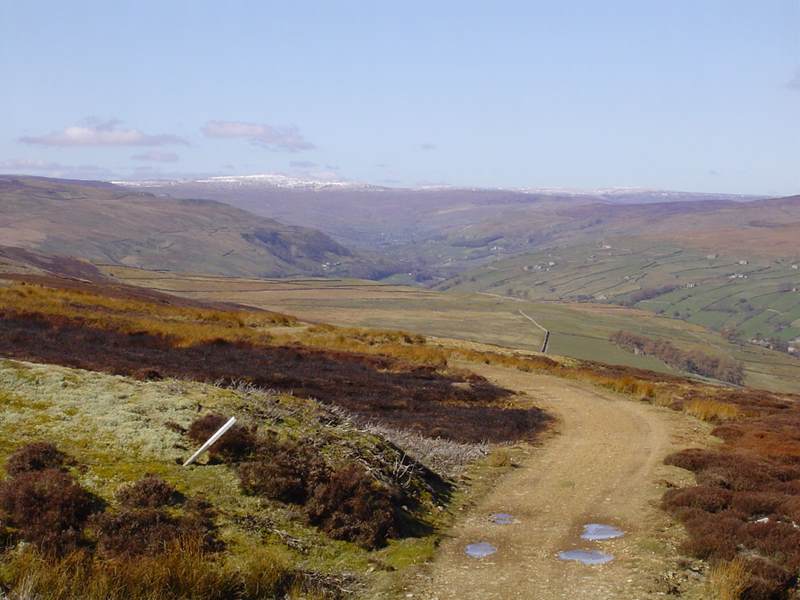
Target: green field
758,299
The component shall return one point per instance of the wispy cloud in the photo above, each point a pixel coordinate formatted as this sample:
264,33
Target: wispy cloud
287,139
427,146
94,132
156,156
794,82
54,169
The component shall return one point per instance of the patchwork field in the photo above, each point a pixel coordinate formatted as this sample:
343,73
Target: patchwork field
577,330
750,295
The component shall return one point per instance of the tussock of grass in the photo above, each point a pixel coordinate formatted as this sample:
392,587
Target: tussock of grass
184,570
712,410
500,458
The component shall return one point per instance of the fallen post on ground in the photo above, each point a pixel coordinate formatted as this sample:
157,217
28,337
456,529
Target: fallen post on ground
210,442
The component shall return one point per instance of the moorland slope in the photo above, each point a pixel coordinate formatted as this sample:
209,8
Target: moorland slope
109,224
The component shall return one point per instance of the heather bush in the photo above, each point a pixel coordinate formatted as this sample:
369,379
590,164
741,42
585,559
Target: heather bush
150,531
713,535
287,472
353,506
237,443
134,532
756,504
768,581
37,456
707,499
148,492
48,508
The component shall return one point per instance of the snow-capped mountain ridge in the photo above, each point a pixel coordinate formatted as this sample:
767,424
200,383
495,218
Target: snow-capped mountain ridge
281,181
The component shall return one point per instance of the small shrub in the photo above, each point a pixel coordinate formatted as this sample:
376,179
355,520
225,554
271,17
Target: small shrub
713,535
352,506
148,492
37,456
237,443
287,472
145,532
49,508
707,499
757,503
767,580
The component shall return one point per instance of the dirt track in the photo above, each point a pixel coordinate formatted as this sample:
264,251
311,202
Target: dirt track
603,464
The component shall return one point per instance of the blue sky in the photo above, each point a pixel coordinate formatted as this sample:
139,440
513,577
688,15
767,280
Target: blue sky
694,95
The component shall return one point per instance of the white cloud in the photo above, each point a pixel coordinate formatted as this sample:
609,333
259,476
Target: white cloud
93,132
288,139
155,156
427,146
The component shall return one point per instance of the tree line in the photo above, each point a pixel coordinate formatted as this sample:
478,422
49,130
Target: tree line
691,361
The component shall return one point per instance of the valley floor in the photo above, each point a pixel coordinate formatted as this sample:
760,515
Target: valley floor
604,464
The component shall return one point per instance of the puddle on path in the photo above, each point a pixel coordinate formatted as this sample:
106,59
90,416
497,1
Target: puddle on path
597,532
480,550
502,519
587,557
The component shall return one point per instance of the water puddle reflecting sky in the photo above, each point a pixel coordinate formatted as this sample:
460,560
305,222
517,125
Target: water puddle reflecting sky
502,519
587,557
480,550
598,532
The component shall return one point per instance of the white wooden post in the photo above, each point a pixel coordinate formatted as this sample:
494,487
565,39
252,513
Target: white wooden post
211,441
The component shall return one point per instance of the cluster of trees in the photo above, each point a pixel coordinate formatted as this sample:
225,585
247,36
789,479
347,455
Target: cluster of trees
647,294
691,361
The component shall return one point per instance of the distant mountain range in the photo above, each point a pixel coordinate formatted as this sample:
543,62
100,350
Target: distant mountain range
266,181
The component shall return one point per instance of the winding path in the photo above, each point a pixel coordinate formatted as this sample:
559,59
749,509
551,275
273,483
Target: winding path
603,464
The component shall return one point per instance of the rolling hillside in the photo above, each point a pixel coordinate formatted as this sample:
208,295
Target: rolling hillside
437,231
104,223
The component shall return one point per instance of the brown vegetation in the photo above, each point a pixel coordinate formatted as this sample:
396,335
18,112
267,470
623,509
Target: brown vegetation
237,443
36,456
42,503
353,506
141,551
148,492
396,392
345,502
648,294
288,472
746,504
